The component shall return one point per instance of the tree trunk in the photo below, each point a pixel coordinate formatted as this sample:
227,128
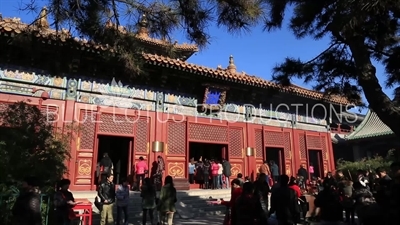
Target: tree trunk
379,102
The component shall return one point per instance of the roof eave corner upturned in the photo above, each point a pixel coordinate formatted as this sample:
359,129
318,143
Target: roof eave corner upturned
372,136
353,135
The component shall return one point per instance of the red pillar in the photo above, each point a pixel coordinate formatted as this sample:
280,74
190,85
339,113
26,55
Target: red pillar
295,151
331,162
251,161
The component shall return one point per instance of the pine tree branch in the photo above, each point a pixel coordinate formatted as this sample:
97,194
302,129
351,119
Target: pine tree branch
378,51
322,53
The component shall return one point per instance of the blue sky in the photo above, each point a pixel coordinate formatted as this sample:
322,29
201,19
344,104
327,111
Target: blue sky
255,53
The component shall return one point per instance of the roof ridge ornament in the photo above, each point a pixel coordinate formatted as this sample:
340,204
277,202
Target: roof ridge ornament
109,23
143,24
42,22
231,66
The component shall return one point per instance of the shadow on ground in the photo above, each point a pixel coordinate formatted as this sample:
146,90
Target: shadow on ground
192,207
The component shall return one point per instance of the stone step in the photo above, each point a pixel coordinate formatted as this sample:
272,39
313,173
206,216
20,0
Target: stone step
180,194
188,199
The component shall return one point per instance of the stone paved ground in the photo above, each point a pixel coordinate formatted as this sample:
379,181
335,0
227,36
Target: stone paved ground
211,220
214,220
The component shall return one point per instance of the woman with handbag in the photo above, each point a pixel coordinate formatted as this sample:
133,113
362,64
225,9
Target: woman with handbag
64,203
148,195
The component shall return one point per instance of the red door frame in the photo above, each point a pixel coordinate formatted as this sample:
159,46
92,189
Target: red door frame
281,155
131,154
225,146
320,162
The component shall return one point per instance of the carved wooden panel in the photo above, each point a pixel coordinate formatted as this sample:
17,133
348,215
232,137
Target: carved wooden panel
259,144
176,169
303,147
314,142
84,167
142,135
236,168
324,146
83,174
287,146
88,119
202,132
235,142
116,124
274,138
176,138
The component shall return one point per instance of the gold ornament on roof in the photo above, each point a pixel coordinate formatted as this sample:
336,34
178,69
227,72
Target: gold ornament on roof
143,23
42,20
231,66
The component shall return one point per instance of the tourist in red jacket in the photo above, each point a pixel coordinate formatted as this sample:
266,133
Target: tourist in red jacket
235,193
214,174
293,185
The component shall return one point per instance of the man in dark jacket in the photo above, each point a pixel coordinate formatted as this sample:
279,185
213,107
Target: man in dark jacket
106,193
303,174
284,203
104,168
226,170
328,200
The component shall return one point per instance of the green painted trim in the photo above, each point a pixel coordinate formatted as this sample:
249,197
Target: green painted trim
369,135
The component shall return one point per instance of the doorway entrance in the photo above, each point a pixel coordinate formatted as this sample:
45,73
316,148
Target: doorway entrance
315,160
276,155
120,150
207,151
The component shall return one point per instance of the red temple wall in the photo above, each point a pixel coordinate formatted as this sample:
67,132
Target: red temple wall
176,131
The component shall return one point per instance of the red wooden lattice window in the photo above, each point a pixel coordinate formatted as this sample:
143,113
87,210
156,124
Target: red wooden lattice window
235,142
259,144
274,138
202,132
116,124
287,145
176,138
303,147
324,148
314,142
142,135
88,119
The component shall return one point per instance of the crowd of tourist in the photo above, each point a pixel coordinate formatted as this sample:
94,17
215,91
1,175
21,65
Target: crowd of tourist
373,196
210,173
164,204
109,194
